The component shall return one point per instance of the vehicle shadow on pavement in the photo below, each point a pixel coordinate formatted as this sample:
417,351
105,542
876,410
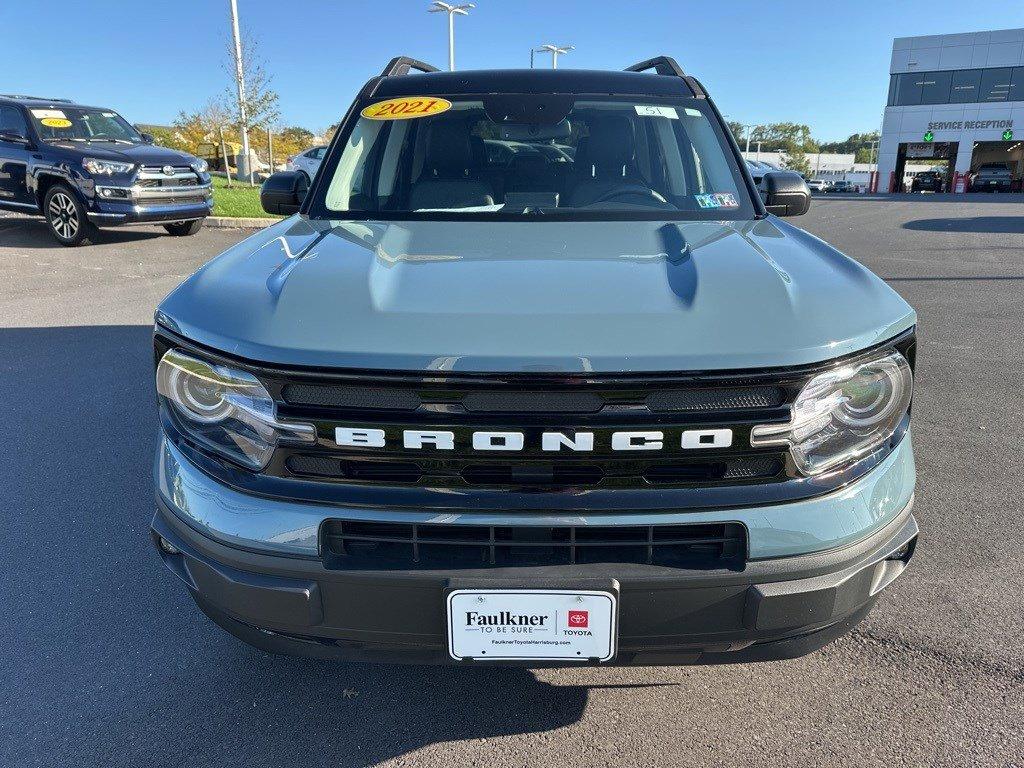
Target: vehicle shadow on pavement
33,233
970,224
107,661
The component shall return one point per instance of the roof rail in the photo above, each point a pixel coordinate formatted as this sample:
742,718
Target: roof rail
401,65
663,65
33,98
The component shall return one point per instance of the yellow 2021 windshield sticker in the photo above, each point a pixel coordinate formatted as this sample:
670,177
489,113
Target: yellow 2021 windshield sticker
56,122
406,108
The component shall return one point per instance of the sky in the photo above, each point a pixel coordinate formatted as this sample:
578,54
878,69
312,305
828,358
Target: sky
821,63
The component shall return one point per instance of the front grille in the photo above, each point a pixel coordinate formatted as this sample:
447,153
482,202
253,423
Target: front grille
518,400
168,181
600,407
171,200
351,544
535,474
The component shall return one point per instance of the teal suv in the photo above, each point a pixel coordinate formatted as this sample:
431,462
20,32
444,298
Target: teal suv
535,374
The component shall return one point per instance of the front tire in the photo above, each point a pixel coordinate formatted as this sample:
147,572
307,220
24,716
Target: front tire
65,216
184,228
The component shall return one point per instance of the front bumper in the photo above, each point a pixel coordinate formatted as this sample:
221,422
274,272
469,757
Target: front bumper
116,205
248,564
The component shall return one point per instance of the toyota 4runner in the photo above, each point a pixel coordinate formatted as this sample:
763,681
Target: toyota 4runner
86,167
535,375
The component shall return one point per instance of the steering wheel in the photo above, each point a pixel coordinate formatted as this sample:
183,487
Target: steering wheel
633,193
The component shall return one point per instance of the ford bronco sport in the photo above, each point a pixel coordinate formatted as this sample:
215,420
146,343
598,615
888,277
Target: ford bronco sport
536,375
86,167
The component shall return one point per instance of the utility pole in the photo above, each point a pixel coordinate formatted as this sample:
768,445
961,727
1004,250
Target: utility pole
462,10
243,118
555,51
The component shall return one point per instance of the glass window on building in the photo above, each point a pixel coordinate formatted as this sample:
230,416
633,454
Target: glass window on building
1016,85
908,89
995,84
966,86
935,87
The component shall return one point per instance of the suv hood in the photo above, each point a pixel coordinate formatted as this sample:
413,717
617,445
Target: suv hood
140,154
539,296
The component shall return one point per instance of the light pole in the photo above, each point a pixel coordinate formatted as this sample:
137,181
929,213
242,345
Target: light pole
243,118
462,10
745,127
555,51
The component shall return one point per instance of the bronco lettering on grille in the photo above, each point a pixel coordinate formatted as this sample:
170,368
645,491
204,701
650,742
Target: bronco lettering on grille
443,440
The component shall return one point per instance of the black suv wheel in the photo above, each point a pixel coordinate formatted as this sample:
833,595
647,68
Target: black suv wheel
184,228
65,216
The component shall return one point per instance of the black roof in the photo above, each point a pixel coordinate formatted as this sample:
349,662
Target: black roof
32,100
574,81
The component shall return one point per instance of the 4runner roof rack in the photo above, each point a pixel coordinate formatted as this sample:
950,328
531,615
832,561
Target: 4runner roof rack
401,65
32,98
663,65
666,65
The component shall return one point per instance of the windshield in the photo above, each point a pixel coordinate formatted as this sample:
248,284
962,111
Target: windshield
519,155
82,124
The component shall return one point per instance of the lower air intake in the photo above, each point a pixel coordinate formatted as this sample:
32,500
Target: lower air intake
350,544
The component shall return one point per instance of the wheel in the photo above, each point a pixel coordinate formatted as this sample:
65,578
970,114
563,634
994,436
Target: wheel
307,178
66,217
184,228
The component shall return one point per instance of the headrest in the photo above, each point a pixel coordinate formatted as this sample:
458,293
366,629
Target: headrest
448,150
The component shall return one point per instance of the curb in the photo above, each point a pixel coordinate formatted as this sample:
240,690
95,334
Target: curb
229,222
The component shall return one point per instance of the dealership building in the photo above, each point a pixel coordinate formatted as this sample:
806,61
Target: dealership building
956,102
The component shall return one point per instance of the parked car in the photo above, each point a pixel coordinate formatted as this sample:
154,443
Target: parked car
86,167
991,177
599,406
818,185
928,181
842,185
308,162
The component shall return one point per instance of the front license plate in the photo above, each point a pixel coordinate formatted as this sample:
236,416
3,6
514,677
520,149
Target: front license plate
531,624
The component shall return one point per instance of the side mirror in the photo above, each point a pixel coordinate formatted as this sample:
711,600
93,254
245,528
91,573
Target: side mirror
149,138
13,137
785,193
282,194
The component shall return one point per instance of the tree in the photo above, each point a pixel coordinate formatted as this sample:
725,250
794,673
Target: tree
796,160
736,128
204,125
784,137
261,101
853,144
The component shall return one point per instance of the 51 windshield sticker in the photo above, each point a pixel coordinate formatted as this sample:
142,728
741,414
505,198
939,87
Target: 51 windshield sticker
406,108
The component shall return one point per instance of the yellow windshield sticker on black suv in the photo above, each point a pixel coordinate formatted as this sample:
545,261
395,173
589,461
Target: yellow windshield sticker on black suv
56,122
406,108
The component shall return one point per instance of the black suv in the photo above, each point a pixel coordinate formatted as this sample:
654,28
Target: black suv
927,181
84,167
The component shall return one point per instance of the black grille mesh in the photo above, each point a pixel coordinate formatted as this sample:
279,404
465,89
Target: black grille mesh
723,398
363,544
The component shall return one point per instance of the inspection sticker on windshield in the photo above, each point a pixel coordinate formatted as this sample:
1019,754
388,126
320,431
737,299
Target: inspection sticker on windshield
406,108
718,200
653,111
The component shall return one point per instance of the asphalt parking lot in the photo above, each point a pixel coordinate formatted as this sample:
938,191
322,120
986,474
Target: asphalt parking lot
107,662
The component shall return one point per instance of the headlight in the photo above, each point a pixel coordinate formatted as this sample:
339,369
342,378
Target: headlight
226,410
200,166
105,167
842,415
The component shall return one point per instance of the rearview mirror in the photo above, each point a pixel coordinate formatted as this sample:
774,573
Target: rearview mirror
785,193
282,194
149,138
